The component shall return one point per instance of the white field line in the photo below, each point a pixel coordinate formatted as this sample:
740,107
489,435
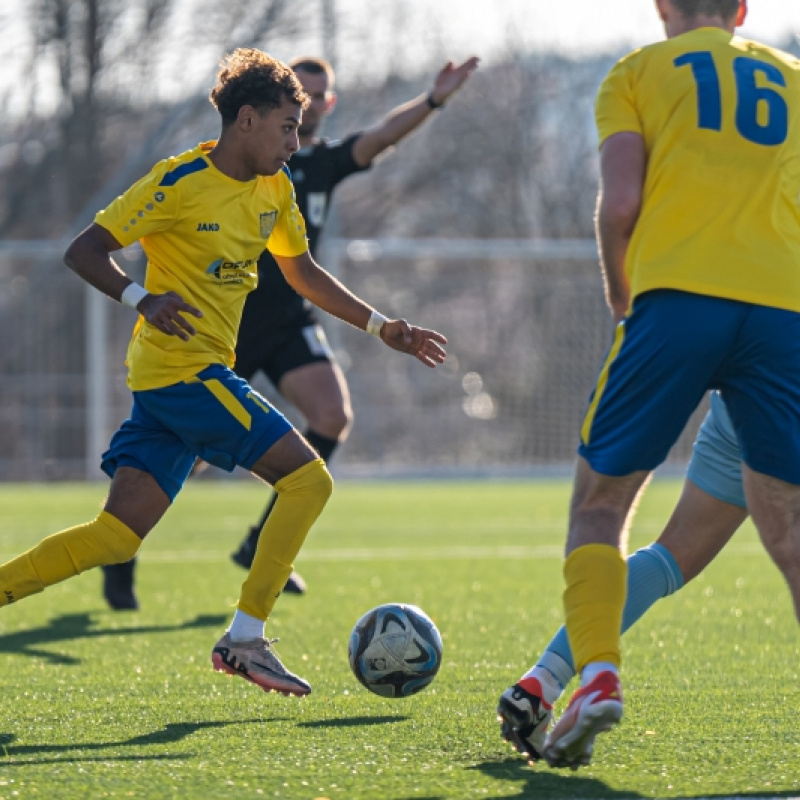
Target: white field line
456,553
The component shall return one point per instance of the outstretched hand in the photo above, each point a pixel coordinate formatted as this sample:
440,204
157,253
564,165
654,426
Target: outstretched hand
163,311
451,77
423,344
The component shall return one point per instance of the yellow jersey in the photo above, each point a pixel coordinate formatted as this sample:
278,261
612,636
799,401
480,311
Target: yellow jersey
720,118
202,233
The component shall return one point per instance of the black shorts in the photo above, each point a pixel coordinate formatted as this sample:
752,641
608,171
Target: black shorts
276,350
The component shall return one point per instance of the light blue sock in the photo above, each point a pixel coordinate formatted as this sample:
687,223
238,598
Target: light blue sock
652,574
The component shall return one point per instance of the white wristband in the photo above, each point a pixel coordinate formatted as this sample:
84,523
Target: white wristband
132,295
375,323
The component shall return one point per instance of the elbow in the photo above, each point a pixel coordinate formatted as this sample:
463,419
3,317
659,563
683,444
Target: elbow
70,256
85,247
620,212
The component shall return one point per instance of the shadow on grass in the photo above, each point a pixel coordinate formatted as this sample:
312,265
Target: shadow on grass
170,734
69,627
351,722
543,782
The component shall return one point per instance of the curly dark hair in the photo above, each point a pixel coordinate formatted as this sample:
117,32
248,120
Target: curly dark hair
250,77
691,8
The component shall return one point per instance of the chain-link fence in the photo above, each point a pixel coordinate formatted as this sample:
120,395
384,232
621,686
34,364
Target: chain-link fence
526,321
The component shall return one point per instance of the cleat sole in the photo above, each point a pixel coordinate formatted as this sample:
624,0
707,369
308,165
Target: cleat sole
220,666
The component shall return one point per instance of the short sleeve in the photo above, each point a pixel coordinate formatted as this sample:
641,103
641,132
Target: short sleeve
288,237
145,208
615,108
342,162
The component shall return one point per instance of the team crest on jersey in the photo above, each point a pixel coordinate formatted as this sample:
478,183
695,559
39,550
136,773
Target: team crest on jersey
266,222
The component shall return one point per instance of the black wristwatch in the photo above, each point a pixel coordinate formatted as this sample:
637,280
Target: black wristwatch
432,104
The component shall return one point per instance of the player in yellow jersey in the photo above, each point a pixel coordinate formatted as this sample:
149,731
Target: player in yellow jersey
698,225
203,219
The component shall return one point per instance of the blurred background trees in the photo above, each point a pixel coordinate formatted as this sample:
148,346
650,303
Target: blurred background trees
106,88
96,91
95,80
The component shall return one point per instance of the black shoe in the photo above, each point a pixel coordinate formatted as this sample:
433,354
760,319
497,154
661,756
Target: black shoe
295,584
243,557
118,586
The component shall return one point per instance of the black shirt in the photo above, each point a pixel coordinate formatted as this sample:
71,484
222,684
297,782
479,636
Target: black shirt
316,170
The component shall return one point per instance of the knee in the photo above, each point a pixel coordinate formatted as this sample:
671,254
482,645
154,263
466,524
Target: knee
323,481
312,482
122,544
333,421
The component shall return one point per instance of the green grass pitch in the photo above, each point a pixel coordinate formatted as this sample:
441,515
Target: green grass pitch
96,704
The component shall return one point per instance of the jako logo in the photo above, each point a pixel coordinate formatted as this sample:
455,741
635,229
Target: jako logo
207,226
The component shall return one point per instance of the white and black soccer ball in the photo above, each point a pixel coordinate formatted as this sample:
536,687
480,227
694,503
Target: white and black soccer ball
395,650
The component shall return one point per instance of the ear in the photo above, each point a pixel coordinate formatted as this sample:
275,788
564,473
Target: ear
662,10
741,13
244,119
330,102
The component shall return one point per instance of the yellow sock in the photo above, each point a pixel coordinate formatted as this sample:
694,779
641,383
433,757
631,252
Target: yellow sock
301,497
596,577
63,555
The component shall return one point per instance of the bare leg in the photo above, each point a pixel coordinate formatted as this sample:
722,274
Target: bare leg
775,508
699,527
133,507
320,393
601,507
118,579
136,499
288,454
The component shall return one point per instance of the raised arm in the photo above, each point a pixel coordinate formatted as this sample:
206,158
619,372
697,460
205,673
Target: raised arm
89,256
623,160
402,120
318,286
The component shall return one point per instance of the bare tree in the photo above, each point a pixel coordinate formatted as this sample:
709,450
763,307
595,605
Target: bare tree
110,72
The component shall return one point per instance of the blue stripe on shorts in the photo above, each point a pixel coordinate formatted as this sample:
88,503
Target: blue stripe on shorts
216,416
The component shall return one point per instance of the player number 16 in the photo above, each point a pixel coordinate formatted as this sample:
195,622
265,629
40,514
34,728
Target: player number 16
772,128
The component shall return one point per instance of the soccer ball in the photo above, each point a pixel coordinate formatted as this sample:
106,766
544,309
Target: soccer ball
395,650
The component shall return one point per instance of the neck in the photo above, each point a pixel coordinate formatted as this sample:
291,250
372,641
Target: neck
679,24
228,163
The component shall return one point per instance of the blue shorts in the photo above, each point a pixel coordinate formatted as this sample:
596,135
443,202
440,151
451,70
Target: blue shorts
215,416
716,463
674,347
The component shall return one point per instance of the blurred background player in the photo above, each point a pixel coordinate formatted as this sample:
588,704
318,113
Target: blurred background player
280,332
709,511
187,401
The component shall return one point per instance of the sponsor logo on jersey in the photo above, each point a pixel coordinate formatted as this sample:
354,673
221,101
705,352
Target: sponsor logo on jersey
208,226
232,271
266,222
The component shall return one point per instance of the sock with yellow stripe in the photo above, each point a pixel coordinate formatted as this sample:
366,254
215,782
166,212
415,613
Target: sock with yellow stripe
596,576
301,497
63,555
